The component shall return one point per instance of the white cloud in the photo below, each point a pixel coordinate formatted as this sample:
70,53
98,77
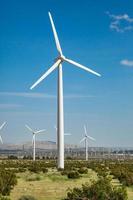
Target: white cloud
9,106
118,19
41,95
28,95
127,62
76,96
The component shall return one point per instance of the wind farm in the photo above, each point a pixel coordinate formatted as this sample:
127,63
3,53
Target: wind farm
46,49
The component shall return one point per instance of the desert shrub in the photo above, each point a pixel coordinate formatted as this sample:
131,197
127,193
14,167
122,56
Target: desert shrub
4,198
83,170
12,157
68,158
27,197
73,174
123,174
99,190
44,170
21,169
126,178
64,172
35,168
7,181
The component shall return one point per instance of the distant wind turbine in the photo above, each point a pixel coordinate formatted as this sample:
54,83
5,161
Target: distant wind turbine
60,110
64,133
86,138
1,127
34,139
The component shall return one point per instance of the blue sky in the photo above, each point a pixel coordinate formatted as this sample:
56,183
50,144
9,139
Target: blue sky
98,34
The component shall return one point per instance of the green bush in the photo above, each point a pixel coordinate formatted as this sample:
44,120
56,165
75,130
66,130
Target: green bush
99,190
73,174
83,170
64,172
44,170
4,198
35,168
27,197
21,169
7,181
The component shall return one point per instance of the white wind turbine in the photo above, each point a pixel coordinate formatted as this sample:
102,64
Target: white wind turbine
34,139
86,138
65,134
60,111
1,127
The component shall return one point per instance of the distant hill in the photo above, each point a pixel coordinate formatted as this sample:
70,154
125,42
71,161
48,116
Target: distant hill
28,145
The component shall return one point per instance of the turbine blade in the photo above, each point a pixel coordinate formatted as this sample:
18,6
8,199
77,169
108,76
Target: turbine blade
30,129
46,73
67,133
55,34
85,130
40,131
2,125
91,138
81,66
1,139
82,140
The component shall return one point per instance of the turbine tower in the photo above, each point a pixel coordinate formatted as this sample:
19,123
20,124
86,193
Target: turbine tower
60,110
86,138
1,127
34,139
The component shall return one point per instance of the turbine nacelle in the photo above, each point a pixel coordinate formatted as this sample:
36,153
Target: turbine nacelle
61,58
34,132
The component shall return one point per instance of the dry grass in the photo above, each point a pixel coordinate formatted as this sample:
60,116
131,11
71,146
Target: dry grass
51,186
130,193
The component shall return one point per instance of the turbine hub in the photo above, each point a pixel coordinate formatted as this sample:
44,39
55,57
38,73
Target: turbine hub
61,57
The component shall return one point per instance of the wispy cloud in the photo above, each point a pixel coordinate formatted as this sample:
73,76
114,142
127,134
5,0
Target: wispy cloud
27,95
76,96
117,20
9,106
41,95
127,62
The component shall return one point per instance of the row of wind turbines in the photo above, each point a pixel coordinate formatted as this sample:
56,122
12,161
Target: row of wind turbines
35,132
60,107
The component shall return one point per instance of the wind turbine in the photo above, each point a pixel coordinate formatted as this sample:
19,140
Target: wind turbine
65,134
1,127
60,110
34,139
86,138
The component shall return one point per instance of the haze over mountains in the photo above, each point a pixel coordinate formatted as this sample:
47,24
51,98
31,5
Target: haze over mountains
28,145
